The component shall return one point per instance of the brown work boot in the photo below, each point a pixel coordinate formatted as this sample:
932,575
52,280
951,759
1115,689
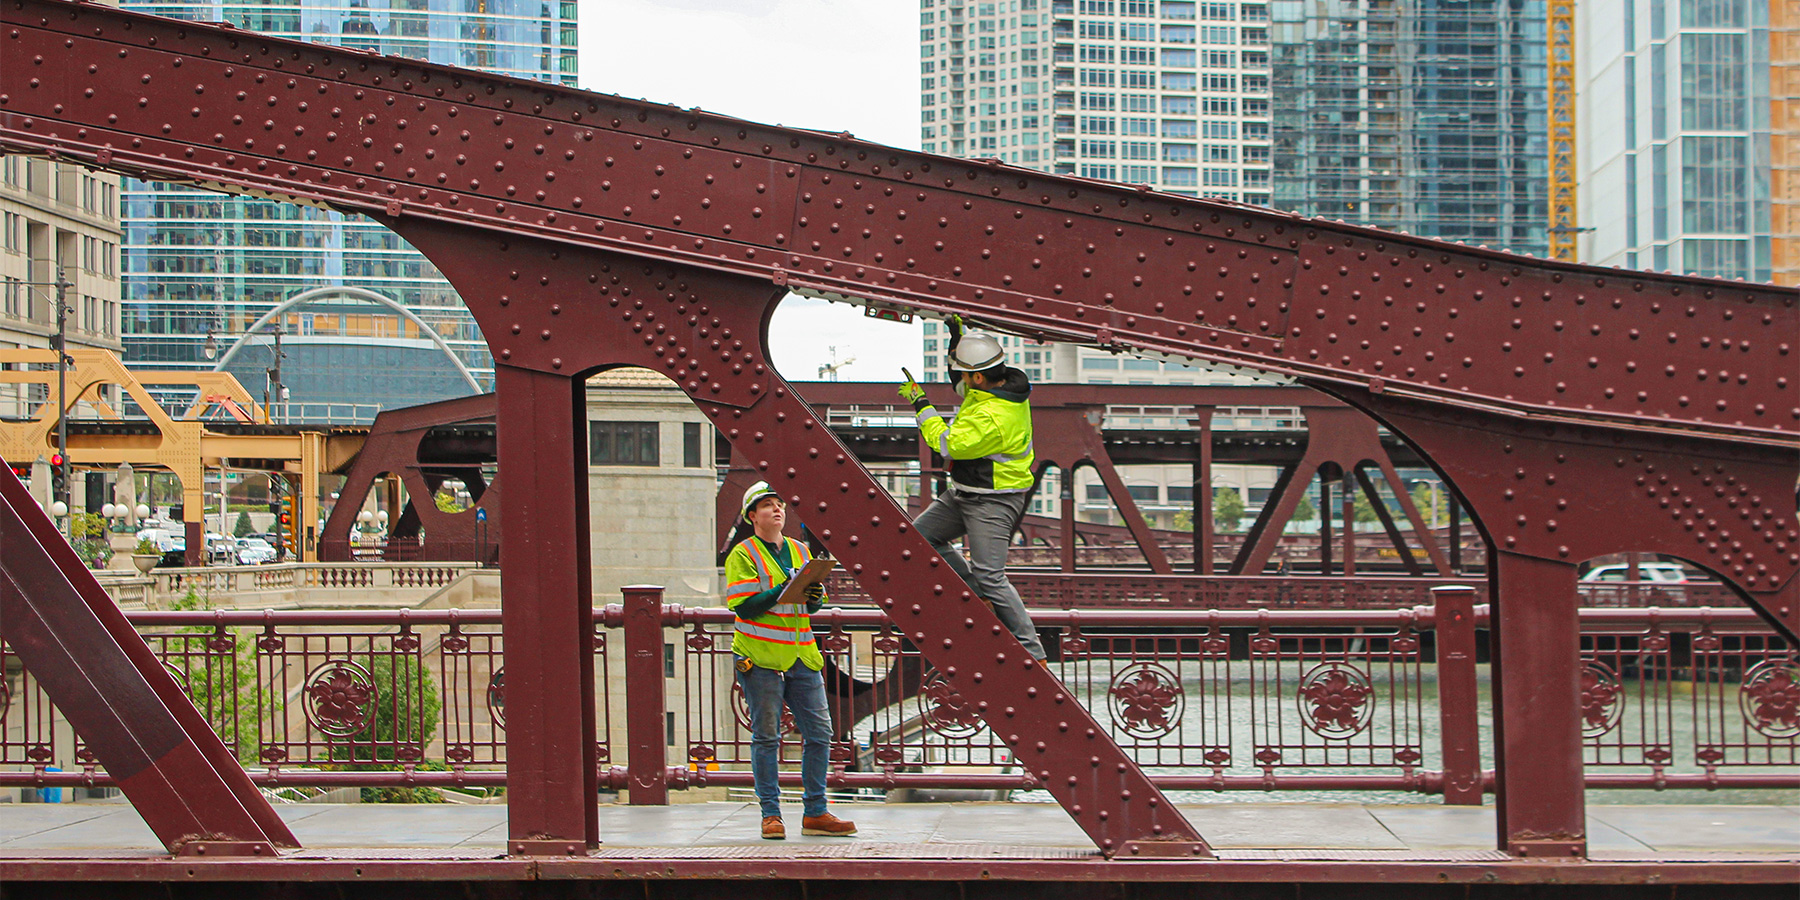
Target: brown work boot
773,830
827,825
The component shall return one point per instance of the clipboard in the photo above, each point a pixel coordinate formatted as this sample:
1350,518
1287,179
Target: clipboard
794,589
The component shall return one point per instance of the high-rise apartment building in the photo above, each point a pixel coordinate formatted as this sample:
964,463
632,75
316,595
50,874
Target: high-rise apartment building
1169,93
56,220
1173,94
1679,118
199,263
1427,117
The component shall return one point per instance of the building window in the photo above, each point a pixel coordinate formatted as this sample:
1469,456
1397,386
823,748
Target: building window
690,445
669,728
623,443
668,660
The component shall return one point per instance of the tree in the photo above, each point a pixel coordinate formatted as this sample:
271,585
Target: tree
1183,520
243,528
1364,509
87,534
406,711
1228,509
1304,510
1431,508
217,668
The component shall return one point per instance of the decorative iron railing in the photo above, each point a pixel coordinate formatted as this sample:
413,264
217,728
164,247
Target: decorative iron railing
1224,699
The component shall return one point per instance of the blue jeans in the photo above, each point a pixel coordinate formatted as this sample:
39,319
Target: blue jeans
804,692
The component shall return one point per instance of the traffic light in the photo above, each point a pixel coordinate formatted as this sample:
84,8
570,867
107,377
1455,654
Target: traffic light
286,521
59,485
22,471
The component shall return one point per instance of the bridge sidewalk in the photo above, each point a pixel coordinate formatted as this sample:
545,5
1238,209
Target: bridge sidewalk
944,831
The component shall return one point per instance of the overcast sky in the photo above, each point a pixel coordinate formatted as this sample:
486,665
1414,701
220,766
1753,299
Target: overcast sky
849,65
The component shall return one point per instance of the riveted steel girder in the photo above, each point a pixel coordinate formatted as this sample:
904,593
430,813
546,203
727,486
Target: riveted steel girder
117,694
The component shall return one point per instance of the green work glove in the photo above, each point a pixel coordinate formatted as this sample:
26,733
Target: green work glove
912,393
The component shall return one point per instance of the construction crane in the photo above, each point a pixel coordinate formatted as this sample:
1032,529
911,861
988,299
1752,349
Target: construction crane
829,371
1563,222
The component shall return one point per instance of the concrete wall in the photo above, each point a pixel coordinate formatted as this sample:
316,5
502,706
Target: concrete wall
652,524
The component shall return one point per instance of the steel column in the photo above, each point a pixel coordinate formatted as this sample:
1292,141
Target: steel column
545,576
1066,493
1203,492
1536,662
1459,719
646,701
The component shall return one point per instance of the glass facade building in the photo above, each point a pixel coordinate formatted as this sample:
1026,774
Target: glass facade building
1169,93
1428,117
1174,94
1678,125
197,262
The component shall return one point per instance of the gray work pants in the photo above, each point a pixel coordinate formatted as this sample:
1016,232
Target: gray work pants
986,523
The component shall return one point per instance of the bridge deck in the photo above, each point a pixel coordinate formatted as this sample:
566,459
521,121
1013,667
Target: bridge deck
1657,834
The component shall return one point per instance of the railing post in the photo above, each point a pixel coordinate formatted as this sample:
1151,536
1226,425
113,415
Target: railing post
646,703
1458,711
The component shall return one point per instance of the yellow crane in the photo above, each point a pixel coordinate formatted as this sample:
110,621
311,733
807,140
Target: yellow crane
1564,226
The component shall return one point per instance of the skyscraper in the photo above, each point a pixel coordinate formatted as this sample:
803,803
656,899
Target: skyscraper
1428,117
56,219
198,263
1172,94
1679,121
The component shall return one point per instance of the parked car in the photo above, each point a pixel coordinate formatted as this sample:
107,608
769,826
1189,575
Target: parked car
170,543
1666,573
220,549
1657,582
254,551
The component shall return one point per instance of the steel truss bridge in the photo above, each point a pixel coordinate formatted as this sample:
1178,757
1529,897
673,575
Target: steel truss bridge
1574,411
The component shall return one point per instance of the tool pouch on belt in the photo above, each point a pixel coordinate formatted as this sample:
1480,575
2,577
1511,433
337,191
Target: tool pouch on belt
744,664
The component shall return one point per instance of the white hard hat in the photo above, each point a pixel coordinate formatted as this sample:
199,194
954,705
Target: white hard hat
978,351
754,495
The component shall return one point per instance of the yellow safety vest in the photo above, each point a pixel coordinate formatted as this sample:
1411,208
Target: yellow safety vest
989,441
784,634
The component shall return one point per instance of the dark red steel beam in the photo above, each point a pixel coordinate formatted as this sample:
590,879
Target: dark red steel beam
117,695
1593,396
394,447
706,329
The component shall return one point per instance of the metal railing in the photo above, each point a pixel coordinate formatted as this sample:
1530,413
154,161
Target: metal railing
1222,699
281,583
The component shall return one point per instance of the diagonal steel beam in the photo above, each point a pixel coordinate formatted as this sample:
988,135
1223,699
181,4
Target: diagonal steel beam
116,694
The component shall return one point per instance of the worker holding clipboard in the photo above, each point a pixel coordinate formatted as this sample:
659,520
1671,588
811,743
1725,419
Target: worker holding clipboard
774,585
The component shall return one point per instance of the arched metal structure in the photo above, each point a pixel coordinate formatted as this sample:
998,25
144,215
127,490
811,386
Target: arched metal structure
355,293
587,232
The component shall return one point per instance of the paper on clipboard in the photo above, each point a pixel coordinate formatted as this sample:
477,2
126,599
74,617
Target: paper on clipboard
794,589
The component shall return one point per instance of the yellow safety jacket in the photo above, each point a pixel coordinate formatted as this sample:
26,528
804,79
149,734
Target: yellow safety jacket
784,634
989,441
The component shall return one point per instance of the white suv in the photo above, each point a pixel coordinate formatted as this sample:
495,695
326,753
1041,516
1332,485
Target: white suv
1657,582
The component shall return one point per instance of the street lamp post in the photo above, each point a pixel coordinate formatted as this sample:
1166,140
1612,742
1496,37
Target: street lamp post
273,391
62,285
